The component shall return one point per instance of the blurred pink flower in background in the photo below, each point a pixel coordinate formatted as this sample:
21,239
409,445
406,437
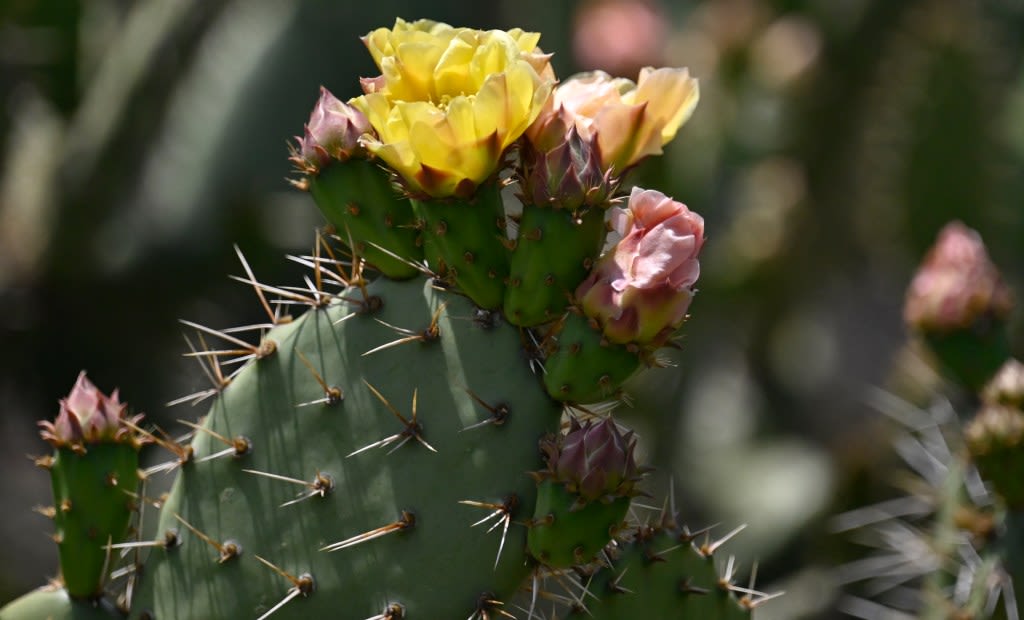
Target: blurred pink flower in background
620,36
956,284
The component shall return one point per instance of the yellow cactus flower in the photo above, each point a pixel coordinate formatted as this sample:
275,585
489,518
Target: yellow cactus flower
629,121
449,101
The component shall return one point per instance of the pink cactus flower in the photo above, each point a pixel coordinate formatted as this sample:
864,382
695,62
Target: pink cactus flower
639,291
956,284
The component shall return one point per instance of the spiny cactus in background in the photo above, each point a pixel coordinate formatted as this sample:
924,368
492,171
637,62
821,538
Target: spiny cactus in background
371,458
952,549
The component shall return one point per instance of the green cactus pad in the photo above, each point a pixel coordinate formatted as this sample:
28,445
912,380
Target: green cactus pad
466,241
476,403
561,537
357,198
553,254
662,570
93,503
53,603
582,368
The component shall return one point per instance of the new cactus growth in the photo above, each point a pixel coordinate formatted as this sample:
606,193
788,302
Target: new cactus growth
583,494
94,474
353,192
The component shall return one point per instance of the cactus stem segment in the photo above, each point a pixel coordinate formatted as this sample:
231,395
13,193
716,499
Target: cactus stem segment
332,394
413,429
228,550
303,584
406,521
430,334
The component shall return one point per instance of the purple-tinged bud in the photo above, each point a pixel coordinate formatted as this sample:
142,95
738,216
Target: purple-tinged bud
956,285
567,176
332,133
594,461
639,291
87,416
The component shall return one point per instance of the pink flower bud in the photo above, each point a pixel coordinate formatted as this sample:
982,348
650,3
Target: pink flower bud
594,460
88,416
567,176
640,291
956,284
332,132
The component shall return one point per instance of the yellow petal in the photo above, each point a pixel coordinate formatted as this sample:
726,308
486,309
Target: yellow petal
671,96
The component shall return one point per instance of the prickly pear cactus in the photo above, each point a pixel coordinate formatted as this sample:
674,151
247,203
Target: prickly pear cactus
419,445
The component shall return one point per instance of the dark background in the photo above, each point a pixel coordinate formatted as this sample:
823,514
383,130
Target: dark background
140,140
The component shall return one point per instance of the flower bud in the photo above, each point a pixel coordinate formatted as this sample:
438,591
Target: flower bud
568,176
957,285
594,461
332,132
87,416
639,291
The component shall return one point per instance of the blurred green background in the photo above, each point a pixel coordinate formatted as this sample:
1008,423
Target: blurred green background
140,140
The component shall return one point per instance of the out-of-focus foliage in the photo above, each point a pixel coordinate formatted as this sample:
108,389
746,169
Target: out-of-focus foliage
140,139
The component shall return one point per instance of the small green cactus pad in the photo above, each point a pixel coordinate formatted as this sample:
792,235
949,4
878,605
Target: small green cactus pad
583,368
93,491
561,537
357,198
469,237
54,603
450,448
661,572
553,254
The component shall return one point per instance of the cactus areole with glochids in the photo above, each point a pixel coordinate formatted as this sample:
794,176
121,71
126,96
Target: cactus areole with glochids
370,458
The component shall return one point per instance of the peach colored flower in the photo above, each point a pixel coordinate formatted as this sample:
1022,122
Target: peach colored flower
629,121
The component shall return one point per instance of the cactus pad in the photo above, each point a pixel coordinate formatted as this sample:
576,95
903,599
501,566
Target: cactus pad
421,440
